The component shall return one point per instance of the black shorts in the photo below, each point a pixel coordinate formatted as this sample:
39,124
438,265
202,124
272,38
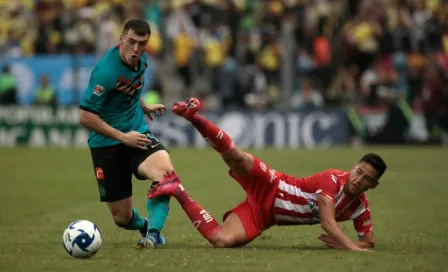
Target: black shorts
114,166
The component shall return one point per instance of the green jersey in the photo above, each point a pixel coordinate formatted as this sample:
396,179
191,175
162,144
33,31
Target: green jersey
114,94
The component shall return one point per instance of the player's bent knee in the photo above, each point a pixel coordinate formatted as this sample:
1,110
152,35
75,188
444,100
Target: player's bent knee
239,161
159,173
224,241
121,216
156,166
121,211
234,154
121,220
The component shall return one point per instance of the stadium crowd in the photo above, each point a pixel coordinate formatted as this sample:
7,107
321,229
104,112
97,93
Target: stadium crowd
372,53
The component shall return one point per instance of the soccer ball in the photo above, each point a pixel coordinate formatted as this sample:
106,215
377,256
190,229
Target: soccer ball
82,239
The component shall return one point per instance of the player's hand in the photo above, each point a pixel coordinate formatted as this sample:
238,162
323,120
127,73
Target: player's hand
153,108
328,241
331,243
136,140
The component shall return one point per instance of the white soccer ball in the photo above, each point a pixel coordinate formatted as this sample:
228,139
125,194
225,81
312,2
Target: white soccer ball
82,239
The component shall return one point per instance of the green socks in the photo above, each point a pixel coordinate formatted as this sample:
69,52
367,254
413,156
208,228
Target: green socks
137,222
157,212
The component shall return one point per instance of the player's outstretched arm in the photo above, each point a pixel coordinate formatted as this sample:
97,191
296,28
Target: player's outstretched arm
329,224
93,122
153,108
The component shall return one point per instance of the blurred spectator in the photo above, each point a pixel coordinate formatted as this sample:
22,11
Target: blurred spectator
177,20
153,12
45,94
396,125
344,86
361,36
231,94
307,96
216,41
152,96
433,34
184,46
108,30
269,60
254,82
155,45
433,92
8,87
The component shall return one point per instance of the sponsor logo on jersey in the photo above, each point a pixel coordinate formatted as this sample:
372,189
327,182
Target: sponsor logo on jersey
272,174
130,88
312,204
98,90
99,173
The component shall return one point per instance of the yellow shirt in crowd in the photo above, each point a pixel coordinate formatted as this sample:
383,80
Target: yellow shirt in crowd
183,49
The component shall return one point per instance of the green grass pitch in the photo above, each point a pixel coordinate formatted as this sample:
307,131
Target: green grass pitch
42,191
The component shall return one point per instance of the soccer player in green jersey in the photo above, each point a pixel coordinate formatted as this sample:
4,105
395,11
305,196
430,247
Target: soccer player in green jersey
120,142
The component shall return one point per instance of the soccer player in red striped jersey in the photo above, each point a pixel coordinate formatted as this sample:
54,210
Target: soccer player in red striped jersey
275,198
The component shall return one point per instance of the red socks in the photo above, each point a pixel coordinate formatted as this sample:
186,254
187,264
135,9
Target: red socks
222,143
217,138
200,218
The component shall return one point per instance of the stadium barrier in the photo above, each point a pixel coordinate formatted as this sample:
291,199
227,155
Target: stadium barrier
42,126
68,74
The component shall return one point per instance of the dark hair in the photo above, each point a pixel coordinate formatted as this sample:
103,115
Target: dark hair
140,27
376,162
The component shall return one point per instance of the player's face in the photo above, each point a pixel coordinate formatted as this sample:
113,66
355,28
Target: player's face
132,47
362,178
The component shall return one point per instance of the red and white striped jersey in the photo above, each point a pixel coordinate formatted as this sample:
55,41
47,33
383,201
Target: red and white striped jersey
296,202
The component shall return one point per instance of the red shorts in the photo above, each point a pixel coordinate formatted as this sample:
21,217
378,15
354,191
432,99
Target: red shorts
256,212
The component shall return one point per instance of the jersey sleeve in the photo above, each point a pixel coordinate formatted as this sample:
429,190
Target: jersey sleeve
327,185
95,94
363,223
